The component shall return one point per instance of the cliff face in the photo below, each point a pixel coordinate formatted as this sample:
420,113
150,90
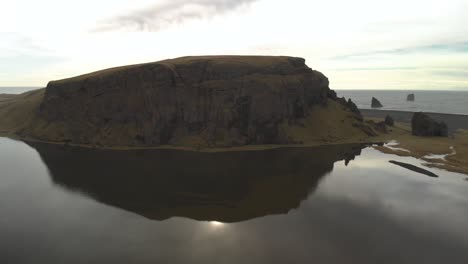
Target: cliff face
213,101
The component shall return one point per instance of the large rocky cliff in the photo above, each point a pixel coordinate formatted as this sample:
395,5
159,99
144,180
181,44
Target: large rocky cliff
217,101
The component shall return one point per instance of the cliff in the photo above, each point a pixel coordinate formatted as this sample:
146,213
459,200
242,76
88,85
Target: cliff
218,101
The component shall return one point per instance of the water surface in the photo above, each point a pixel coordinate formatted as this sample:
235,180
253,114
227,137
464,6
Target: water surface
448,102
16,90
336,204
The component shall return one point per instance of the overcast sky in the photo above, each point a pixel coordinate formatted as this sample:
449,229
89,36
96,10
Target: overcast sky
360,44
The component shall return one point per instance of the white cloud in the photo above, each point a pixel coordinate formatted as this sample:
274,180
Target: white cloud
167,13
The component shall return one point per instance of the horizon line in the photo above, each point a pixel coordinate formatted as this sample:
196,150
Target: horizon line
349,89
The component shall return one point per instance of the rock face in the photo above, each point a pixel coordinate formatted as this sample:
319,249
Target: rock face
376,103
353,107
423,125
214,101
381,127
389,121
410,97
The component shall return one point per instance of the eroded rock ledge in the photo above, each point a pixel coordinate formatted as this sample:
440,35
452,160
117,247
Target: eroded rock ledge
219,101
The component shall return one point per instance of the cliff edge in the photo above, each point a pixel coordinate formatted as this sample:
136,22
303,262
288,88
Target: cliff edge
211,101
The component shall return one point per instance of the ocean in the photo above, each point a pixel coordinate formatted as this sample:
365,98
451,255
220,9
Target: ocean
16,90
448,102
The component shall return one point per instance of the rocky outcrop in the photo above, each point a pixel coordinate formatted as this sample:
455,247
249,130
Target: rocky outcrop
217,101
380,127
389,121
410,97
423,125
352,106
376,103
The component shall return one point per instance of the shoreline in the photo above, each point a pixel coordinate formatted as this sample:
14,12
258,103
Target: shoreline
453,121
406,111
350,141
454,148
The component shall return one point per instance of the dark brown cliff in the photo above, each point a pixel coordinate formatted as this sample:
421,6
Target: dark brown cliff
217,101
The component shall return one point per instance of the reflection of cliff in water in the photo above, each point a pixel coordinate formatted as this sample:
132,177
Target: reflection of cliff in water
226,187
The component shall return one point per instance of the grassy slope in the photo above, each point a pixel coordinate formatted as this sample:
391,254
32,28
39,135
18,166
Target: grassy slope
17,111
419,147
332,124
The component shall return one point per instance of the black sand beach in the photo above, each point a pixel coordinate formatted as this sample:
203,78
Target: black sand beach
453,121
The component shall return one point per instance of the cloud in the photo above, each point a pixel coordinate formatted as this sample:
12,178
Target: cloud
14,44
168,13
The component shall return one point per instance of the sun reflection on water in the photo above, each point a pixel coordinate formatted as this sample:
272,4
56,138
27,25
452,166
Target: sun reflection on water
216,224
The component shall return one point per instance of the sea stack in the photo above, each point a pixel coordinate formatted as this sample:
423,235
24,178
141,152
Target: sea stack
410,97
211,101
376,103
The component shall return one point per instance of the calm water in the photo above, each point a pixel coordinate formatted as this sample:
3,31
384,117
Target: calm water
297,205
450,102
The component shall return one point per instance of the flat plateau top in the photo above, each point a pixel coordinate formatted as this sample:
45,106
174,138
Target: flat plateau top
251,61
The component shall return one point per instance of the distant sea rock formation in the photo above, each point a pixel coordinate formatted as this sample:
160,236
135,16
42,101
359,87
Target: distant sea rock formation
410,97
214,101
424,125
376,103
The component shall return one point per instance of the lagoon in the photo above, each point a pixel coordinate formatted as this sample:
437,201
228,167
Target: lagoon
333,204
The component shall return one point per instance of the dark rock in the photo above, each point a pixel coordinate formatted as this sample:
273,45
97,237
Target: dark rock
410,97
352,106
367,128
424,125
332,95
389,121
381,127
376,103
215,100
378,126
414,168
